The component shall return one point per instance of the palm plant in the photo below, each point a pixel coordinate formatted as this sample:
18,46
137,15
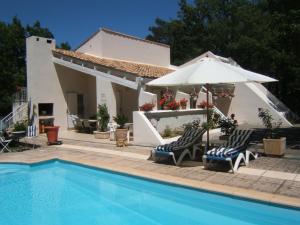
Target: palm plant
120,119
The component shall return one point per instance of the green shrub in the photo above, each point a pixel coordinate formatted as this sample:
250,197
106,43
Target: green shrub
20,126
120,119
167,132
102,117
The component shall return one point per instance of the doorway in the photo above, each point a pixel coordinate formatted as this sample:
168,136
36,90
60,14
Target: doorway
75,104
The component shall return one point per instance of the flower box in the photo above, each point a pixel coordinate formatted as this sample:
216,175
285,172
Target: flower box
275,147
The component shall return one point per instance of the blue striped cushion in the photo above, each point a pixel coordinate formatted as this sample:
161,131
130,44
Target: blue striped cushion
187,138
237,142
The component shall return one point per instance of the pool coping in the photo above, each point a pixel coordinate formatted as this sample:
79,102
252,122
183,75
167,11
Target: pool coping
266,198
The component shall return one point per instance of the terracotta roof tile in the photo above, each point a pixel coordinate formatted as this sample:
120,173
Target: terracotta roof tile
139,69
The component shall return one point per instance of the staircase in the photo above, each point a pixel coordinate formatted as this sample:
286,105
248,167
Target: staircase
19,112
278,105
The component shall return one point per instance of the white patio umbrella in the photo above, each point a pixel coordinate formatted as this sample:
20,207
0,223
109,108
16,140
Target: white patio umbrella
209,71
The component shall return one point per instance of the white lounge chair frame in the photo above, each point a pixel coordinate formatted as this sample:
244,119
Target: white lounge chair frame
242,158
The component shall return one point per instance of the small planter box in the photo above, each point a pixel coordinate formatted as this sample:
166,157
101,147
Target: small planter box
275,147
101,135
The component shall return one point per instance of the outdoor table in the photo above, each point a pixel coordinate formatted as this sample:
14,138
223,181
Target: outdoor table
93,123
17,135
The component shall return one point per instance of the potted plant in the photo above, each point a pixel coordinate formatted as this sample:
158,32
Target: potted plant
272,145
20,126
121,132
167,98
164,103
204,105
147,107
102,120
213,120
227,126
183,103
173,105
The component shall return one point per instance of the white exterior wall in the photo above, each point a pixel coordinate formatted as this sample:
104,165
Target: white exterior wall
114,46
148,126
106,95
147,97
43,85
248,98
143,131
93,46
72,81
180,95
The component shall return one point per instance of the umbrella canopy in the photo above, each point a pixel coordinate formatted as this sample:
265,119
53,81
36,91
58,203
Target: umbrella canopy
209,71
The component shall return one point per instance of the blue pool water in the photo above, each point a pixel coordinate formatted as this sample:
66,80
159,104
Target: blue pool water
61,193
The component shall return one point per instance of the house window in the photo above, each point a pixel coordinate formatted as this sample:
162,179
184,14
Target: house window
45,109
49,41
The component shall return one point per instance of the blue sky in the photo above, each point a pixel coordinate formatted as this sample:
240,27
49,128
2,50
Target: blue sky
74,21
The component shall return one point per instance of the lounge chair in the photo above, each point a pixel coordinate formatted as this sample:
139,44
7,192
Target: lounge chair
234,150
189,141
4,144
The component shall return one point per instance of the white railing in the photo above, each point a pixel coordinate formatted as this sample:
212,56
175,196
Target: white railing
216,110
18,114
278,105
21,95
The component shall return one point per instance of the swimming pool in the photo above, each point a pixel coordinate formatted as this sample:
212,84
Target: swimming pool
57,193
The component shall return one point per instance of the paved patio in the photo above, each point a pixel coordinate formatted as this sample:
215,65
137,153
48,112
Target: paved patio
271,179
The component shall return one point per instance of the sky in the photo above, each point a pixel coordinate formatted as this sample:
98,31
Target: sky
74,21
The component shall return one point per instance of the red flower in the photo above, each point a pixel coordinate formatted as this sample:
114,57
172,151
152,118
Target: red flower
204,105
147,107
183,102
173,105
162,102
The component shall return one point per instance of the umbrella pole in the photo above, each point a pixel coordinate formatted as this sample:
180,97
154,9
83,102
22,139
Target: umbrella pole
207,118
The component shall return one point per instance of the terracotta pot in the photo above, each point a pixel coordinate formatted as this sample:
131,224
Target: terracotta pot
183,107
166,107
52,134
101,135
275,147
121,134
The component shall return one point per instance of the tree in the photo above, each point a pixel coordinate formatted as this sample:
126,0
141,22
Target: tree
37,30
261,35
12,57
12,61
64,45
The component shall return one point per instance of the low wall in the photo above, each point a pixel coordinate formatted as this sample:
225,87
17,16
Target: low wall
174,119
147,126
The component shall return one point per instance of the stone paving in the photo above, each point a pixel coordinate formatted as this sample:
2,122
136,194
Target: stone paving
189,170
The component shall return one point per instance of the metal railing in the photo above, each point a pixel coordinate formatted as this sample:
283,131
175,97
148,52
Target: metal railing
21,95
216,110
18,114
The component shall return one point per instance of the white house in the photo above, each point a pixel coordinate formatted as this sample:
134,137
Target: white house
108,67
113,68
